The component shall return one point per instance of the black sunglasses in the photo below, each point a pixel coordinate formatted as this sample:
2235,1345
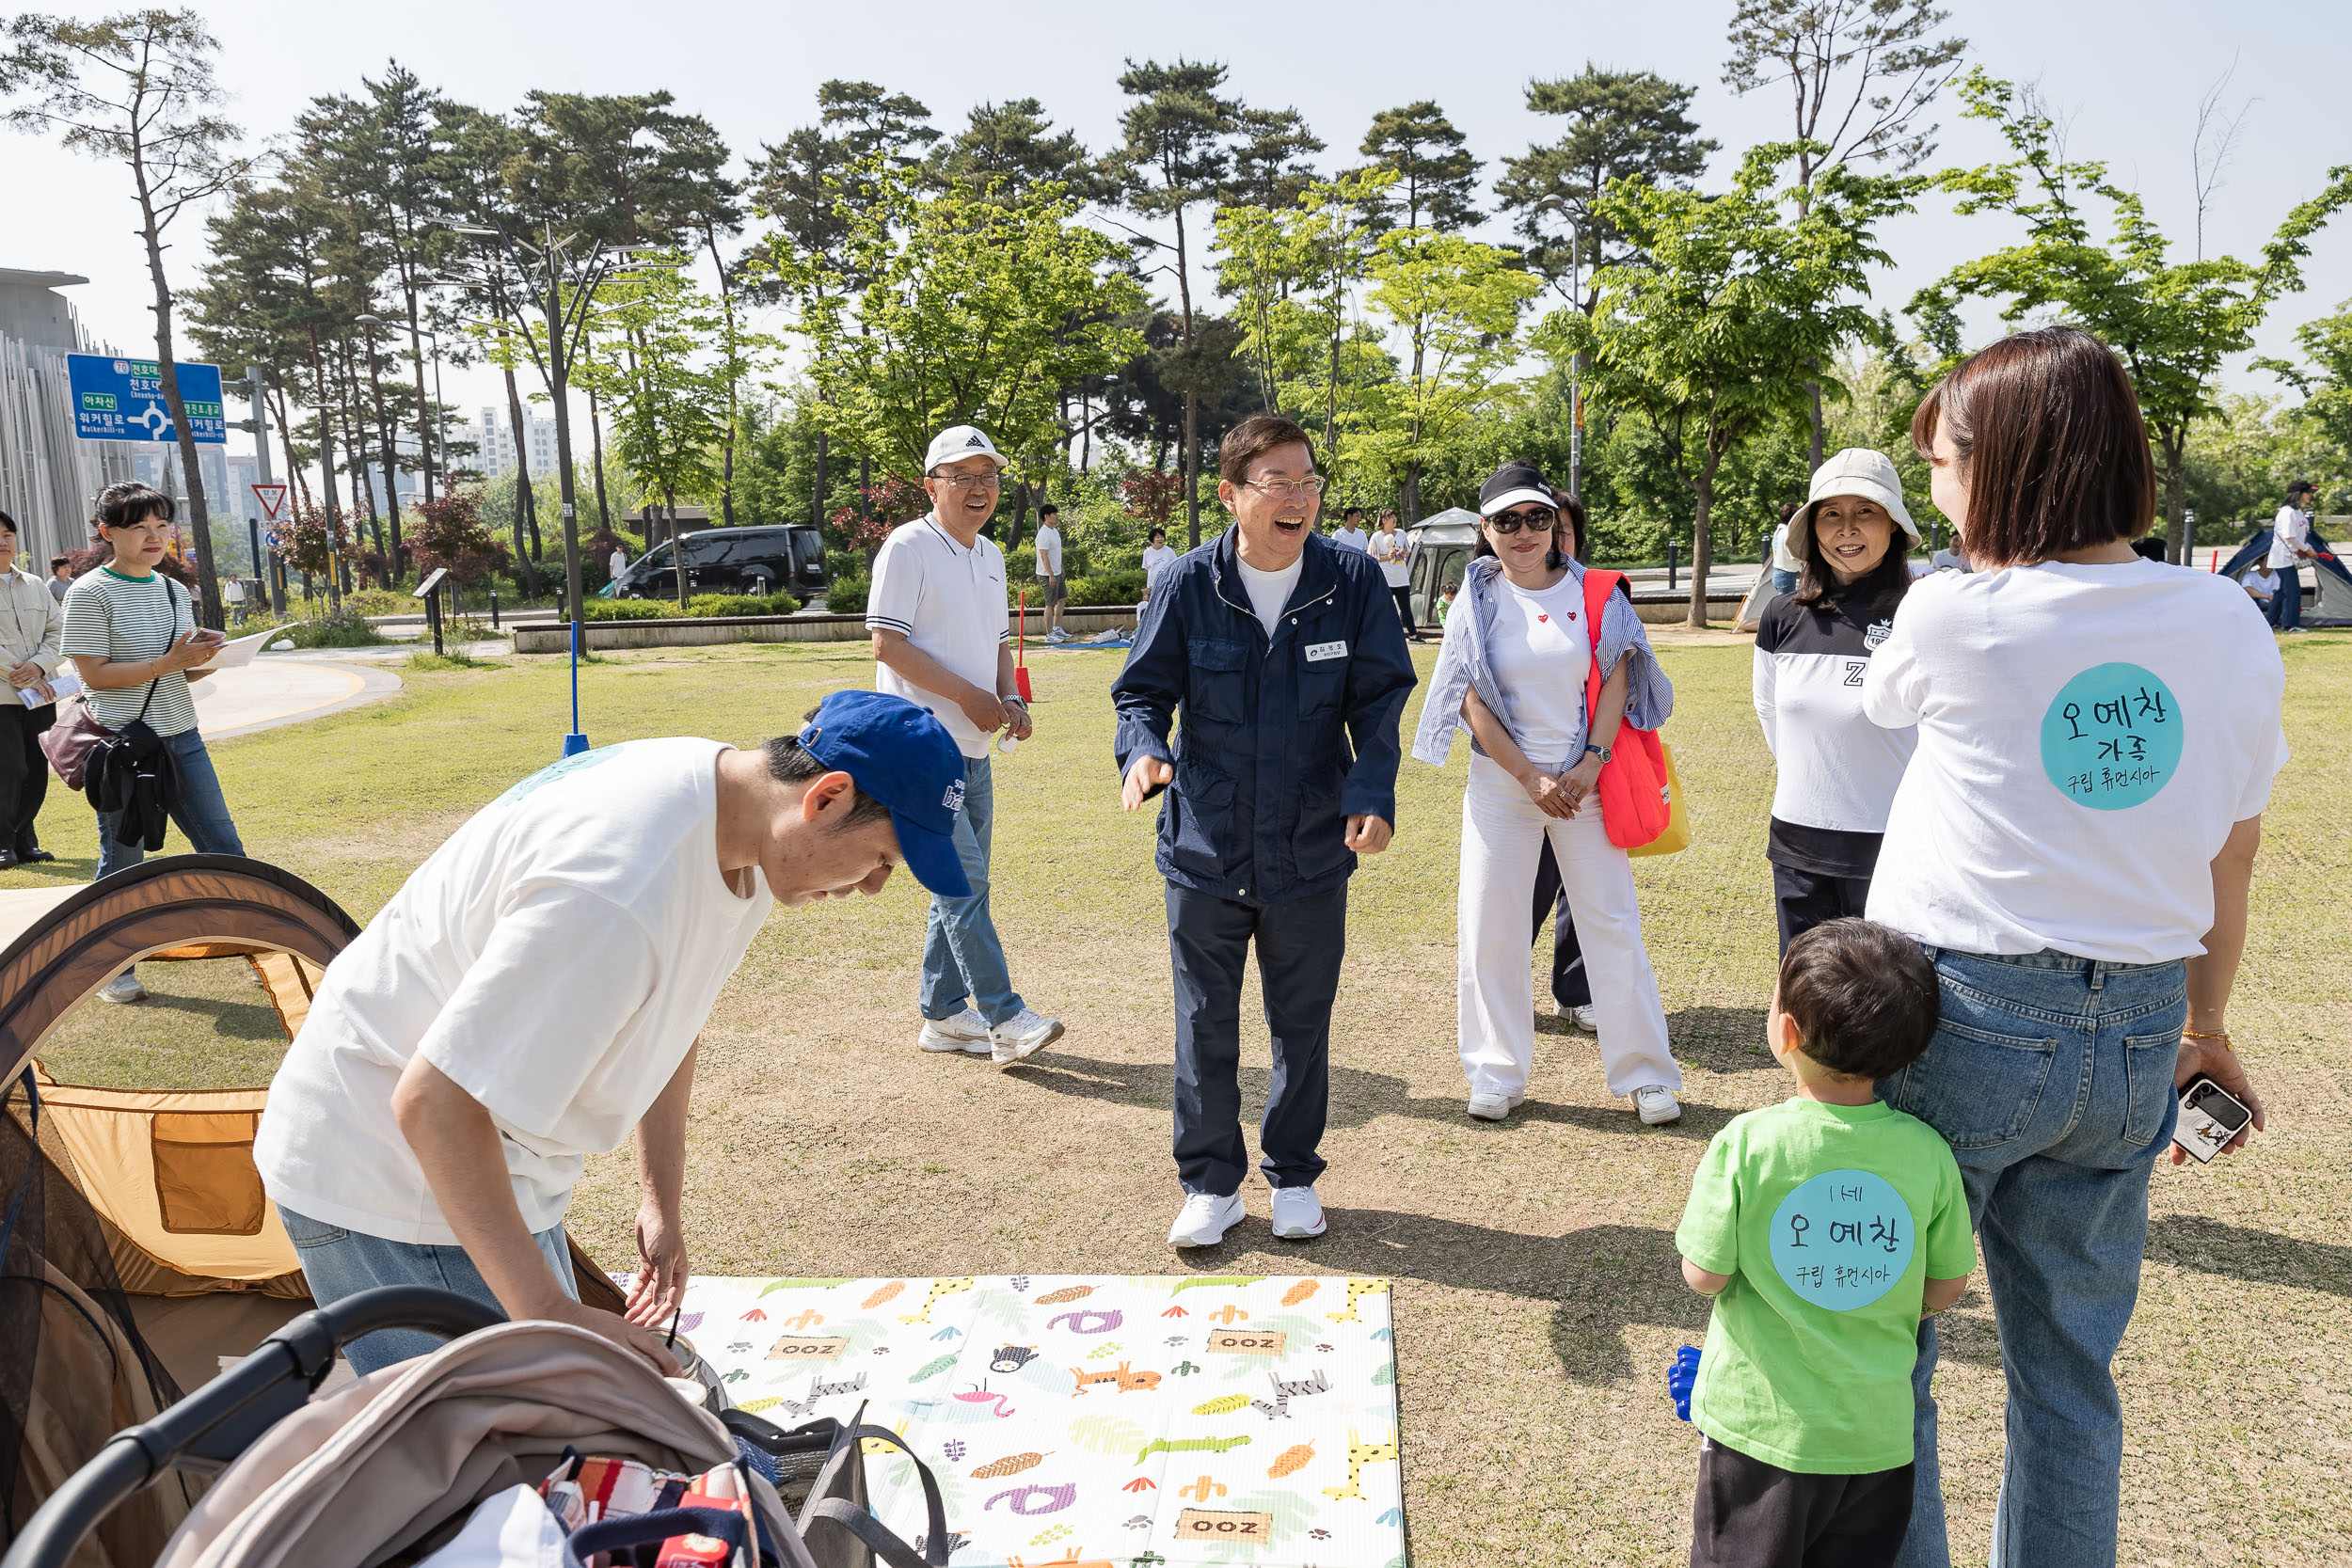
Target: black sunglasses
1538,520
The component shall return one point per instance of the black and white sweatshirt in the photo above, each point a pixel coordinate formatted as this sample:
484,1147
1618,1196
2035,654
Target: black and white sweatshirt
1837,769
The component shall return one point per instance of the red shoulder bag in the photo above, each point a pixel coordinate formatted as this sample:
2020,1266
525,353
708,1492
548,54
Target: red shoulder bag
1635,789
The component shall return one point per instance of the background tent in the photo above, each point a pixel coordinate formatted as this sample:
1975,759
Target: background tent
2331,604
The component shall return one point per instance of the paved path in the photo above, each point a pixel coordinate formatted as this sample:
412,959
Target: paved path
277,689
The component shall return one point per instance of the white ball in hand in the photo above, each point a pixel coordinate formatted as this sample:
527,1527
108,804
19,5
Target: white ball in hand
1005,744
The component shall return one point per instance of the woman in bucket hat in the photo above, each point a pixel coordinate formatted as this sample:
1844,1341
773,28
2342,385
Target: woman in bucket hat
1853,539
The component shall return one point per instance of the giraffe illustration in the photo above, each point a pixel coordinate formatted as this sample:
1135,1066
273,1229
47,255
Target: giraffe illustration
939,1288
1358,1455
1357,1289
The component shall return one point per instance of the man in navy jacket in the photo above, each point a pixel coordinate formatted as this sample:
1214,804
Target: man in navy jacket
1286,656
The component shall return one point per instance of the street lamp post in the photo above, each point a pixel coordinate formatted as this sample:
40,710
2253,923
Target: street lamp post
1576,361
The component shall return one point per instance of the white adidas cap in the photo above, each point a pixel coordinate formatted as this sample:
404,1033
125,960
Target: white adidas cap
959,441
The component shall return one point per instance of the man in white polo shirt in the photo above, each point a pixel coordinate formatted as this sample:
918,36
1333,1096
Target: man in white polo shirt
1050,590
940,639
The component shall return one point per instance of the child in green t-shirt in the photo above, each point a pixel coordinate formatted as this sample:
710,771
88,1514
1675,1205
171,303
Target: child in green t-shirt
1826,1228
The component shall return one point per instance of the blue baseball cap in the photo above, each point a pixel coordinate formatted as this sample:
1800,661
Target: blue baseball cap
903,757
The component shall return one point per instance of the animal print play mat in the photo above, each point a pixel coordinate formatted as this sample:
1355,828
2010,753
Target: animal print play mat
1103,1422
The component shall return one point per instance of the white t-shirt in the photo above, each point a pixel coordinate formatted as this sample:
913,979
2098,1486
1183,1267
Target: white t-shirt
1156,558
1389,549
1783,558
947,601
1270,591
2288,532
1541,652
2261,579
2088,737
1049,551
1352,538
619,562
555,957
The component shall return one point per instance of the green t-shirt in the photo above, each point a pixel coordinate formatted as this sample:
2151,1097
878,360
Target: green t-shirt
1830,1220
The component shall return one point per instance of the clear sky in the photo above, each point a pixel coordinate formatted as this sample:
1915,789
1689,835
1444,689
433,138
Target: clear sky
2128,75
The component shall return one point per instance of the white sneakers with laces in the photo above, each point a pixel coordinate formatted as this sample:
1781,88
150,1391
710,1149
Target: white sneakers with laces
124,987
1495,1107
1583,1019
1656,1105
1022,1037
967,1031
1297,1213
1204,1219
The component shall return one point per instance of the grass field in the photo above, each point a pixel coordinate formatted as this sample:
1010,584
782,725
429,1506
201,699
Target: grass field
1538,1301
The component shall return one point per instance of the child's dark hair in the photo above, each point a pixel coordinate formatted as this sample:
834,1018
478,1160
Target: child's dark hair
1864,997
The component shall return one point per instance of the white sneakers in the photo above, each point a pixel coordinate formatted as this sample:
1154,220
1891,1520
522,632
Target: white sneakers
1297,1213
1016,1039
124,987
1495,1107
1583,1019
966,1031
1656,1105
1022,1037
1204,1219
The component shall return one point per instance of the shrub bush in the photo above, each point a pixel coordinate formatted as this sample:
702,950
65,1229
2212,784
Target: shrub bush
844,563
382,601
741,604
847,595
627,609
345,628
1119,588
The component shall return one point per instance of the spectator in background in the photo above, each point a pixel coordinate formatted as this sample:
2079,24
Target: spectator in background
1351,530
232,594
130,630
60,576
2290,546
1051,587
1390,547
2261,584
1157,558
940,640
31,630
618,563
1785,566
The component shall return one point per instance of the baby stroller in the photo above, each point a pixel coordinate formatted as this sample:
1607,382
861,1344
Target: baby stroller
385,1471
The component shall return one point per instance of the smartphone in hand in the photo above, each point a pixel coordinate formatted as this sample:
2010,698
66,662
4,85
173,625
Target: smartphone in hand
2210,1116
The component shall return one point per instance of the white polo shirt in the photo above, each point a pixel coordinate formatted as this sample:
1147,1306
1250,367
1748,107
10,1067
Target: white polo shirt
947,601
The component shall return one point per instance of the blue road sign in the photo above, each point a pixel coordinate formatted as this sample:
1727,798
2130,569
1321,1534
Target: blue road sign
122,400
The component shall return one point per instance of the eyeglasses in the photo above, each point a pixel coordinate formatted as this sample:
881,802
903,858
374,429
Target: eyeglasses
1536,519
971,482
1286,490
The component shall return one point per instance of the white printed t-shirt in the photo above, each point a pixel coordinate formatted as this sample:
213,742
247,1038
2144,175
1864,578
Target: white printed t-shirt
2288,533
2088,736
949,602
1541,653
1390,550
1049,551
555,958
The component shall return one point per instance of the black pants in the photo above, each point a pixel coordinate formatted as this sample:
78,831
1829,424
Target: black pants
24,772
1750,1514
1804,899
1570,986
1299,945
1402,594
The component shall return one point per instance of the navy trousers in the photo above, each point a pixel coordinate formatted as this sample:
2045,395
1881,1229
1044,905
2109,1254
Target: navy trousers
1571,987
1300,943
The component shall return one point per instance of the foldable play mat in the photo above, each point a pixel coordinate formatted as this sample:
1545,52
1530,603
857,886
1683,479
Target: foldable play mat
1103,1422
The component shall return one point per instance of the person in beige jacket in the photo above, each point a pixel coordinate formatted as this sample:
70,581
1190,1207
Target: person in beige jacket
32,627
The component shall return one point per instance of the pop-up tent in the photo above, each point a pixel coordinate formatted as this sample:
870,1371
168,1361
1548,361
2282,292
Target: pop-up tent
2332,603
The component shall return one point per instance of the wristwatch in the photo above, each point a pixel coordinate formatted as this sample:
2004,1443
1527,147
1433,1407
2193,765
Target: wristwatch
1601,751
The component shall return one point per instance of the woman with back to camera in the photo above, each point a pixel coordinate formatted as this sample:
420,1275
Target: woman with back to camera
1838,771
2072,844
1513,672
132,634
32,624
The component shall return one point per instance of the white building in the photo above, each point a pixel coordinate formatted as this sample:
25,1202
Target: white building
495,434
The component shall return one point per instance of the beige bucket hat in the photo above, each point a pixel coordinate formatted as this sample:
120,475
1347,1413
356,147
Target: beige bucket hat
1856,472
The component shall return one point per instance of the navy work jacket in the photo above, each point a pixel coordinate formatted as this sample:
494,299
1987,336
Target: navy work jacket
1285,737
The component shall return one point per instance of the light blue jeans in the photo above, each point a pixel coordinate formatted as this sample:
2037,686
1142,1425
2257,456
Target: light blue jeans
2052,1078
202,812
962,957
339,1263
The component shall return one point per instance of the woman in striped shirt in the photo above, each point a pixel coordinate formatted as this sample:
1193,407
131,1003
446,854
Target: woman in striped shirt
132,634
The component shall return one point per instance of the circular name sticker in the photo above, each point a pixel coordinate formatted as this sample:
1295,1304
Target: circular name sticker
1842,1240
2112,738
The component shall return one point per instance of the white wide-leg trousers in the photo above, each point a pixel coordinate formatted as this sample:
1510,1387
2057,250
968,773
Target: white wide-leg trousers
1502,834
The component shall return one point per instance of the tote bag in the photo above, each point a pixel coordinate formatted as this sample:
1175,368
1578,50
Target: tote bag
1641,798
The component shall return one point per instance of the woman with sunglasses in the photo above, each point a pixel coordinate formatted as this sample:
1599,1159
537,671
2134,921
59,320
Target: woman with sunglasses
1512,673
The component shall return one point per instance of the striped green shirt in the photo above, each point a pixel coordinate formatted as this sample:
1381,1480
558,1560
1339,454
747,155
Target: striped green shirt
131,619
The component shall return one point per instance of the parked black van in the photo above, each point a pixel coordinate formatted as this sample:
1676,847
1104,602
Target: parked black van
779,559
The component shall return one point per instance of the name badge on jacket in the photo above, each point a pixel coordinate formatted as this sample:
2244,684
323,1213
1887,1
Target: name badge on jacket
1318,652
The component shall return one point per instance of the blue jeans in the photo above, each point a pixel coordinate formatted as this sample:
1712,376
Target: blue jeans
339,1263
962,957
2051,1076
202,812
1783,582
2286,600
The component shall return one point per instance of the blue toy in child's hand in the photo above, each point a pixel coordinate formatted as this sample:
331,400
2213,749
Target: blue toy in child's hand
1680,1377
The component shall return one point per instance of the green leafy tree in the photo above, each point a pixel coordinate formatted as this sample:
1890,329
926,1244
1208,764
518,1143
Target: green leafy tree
2325,379
1717,337
1271,157
1436,179
2174,323
451,533
1013,148
1621,124
137,88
